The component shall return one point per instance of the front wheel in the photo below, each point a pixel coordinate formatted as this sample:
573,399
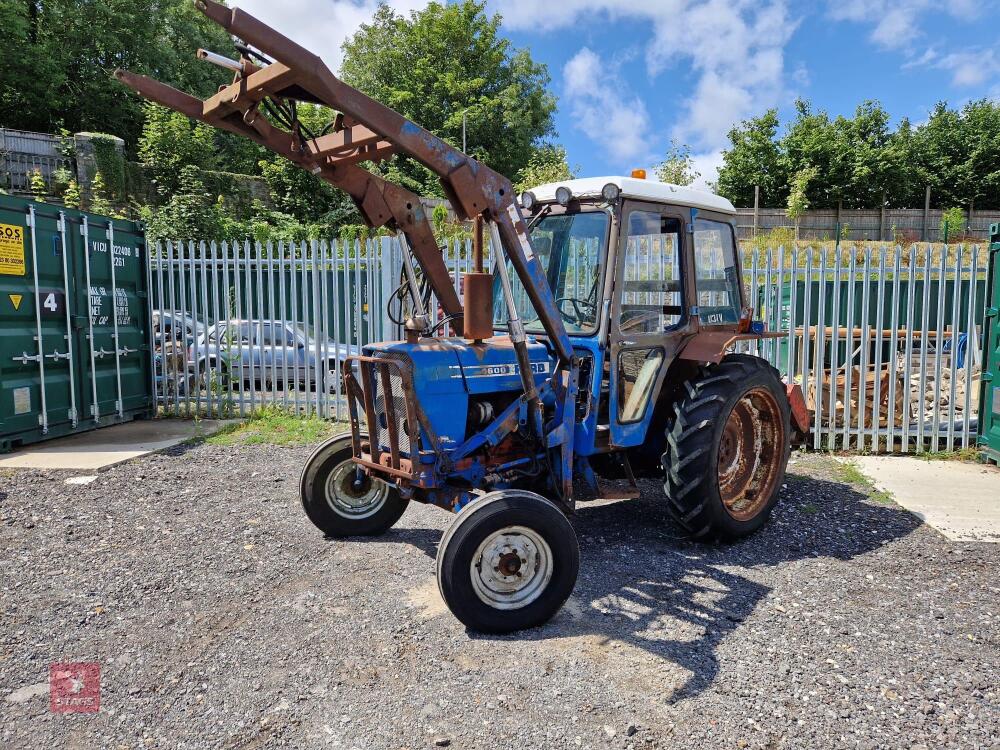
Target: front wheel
727,449
508,562
342,502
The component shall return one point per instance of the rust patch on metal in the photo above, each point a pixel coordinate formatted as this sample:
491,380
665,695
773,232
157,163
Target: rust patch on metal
751,453
712,346
801,416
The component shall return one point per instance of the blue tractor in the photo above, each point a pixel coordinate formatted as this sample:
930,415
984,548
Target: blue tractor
597,347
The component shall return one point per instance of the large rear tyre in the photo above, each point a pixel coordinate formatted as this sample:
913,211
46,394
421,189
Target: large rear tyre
338,501
727,449
508,562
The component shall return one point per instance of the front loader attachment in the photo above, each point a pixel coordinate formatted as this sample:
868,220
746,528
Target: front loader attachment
273,75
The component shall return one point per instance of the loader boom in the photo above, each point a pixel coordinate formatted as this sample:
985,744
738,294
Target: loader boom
367,131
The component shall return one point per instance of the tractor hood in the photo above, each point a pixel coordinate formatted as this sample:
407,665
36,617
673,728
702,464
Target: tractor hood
446,372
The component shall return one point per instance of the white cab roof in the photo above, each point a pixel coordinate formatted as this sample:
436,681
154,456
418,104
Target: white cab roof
650,190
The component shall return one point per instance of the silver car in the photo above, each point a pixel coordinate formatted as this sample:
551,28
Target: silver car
267,352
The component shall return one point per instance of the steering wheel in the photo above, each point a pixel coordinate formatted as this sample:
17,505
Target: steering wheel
583,311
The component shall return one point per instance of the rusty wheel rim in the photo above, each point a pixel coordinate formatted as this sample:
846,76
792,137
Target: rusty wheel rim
750,454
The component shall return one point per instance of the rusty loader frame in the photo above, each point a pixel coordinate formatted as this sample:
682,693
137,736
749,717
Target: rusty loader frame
274,70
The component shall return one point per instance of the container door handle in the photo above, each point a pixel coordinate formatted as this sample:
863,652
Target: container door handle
25,358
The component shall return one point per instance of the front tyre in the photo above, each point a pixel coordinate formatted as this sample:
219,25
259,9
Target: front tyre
338,501
727,449
508,562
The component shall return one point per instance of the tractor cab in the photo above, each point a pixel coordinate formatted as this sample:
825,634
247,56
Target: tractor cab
636,268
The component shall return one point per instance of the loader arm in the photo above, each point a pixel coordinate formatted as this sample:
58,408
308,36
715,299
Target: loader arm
367,131
272,75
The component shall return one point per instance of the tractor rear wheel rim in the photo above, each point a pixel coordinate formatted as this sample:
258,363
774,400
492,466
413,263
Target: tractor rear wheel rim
511,568
750,452
352,502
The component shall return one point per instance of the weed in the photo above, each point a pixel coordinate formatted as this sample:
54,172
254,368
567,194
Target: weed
274,426
962,454
810,509
848,471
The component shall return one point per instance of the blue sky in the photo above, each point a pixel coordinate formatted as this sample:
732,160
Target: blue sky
631,75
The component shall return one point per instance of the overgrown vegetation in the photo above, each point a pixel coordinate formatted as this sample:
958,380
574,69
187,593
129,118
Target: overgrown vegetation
274,426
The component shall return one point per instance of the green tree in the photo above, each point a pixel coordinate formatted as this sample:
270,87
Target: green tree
753,159
66,51
100,201
546,164
445,61
192,213
678,167
170,142
798,196
72,198
39,190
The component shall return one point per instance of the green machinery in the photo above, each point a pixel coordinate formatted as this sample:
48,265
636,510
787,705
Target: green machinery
989,404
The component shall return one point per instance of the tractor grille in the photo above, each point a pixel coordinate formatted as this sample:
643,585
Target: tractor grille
391,401
382,405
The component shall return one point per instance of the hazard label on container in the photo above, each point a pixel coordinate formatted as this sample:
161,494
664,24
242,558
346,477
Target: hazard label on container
15,300
11,250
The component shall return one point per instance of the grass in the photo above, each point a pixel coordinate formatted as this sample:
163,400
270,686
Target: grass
273,426
963,454
848,472
810,509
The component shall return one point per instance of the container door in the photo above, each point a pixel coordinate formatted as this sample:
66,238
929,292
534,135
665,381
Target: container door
115,333
989,407
38,393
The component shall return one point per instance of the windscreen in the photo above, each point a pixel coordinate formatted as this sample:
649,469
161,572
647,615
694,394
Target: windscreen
571,248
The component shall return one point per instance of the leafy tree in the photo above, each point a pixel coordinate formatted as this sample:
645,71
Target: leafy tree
546,164
445,61
678,167
191,213
753,160
72,198
170,142
39,190
68,49
798,196
100,201
952,222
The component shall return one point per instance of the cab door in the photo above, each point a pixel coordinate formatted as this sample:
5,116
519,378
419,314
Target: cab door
648,314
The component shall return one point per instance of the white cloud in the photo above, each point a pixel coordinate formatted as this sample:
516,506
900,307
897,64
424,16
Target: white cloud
734,47
602,109
973,67
708,165
897,23
321,26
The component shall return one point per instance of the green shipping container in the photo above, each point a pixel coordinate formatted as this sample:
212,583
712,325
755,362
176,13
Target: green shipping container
74,322
989,406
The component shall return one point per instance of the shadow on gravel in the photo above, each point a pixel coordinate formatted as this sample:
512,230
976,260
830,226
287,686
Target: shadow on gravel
642,583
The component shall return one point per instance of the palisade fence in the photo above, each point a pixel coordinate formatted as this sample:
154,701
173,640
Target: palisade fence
884,340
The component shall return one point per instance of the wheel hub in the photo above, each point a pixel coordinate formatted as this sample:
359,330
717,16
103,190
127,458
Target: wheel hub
750,453
352,496
511,568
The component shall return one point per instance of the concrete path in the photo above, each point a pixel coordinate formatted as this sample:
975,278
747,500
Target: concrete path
961,500
99,449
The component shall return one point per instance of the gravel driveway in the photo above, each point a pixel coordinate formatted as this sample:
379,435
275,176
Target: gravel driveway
222,619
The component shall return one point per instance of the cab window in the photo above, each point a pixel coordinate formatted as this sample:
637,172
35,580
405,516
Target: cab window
651,288
716,276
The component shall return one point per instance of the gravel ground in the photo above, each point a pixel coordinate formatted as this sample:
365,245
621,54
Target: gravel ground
222,619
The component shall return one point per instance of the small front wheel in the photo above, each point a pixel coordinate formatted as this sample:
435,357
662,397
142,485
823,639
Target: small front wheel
341,501
508,562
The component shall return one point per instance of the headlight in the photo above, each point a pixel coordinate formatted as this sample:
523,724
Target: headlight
528,201
611,192
563,196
